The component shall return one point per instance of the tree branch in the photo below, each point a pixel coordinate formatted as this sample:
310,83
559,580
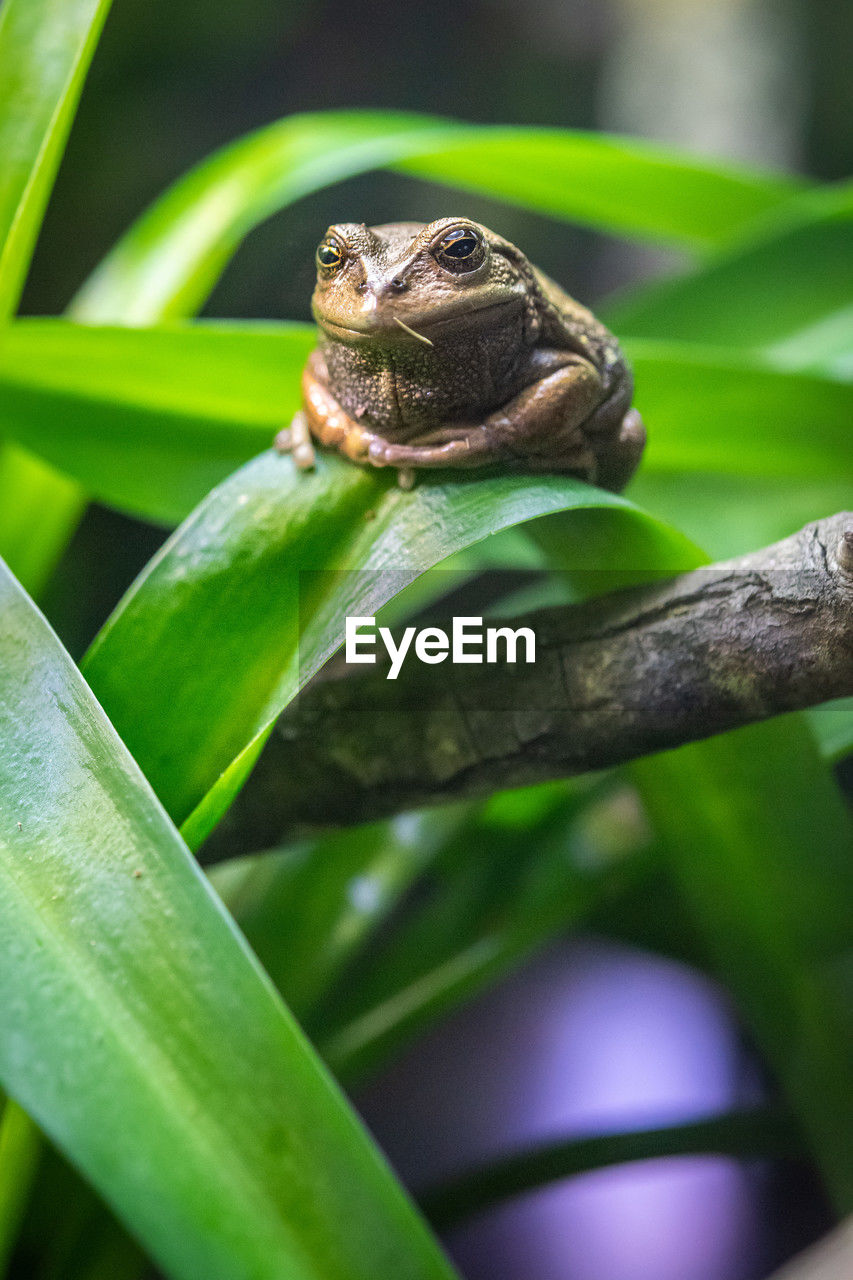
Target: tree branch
615,678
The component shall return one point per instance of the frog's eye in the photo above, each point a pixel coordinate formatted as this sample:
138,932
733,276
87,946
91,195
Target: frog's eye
330,256
461,249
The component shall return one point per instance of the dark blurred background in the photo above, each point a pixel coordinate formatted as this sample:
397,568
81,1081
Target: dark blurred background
764,81
591,1035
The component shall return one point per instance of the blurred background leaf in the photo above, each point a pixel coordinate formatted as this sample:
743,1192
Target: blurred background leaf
760,844
151,419
168,262
786,289
45,51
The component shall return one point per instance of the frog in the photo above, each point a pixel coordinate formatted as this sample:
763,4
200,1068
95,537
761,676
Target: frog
440,346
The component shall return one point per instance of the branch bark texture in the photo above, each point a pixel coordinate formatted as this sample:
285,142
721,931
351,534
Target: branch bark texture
618,677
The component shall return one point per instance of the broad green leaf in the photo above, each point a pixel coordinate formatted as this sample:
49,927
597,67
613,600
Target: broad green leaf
787,288
166,265
580,177
711,410
45,50
138,1029
729,514
762,848
249,597
151,419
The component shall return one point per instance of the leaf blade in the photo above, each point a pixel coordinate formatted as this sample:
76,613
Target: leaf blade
167,262
151,419
760,845
139,1030
742,298
45,51
259,580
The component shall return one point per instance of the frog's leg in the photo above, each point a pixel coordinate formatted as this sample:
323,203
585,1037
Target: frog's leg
296,439
541,427
327,421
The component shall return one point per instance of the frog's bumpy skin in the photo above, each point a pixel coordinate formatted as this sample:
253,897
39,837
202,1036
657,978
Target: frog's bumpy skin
441,346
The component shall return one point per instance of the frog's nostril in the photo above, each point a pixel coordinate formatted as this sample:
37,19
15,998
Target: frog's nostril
398,284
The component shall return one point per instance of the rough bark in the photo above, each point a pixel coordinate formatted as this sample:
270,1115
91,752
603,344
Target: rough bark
618,677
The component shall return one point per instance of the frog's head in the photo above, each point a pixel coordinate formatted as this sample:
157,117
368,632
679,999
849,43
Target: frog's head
407,282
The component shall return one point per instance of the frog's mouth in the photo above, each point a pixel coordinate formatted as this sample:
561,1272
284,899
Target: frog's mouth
384,324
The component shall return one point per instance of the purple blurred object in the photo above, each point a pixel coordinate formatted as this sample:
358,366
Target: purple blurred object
589,1038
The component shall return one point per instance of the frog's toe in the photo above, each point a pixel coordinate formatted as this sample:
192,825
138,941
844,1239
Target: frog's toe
283,442
380,453
304,456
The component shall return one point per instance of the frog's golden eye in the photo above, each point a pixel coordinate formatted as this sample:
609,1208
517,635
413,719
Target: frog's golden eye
330,256
460,249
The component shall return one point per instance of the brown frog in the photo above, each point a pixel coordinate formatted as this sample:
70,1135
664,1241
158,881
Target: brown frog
442,346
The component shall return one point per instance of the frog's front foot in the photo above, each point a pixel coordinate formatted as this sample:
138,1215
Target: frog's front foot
406,478
296,439
451,449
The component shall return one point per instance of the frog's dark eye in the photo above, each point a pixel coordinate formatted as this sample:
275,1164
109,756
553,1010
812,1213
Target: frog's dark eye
330,256
460,249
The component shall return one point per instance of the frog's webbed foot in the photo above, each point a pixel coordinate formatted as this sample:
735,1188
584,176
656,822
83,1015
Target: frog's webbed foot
296,439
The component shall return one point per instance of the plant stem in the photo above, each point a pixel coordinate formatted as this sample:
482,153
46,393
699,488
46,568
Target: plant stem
762,1133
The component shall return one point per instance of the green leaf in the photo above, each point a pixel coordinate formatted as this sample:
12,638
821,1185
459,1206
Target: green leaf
787,288
713,410
138,1029
151,419
249,597
166,265
517,874
762,848
583,177
729,514
749,1135
308,909
45,50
